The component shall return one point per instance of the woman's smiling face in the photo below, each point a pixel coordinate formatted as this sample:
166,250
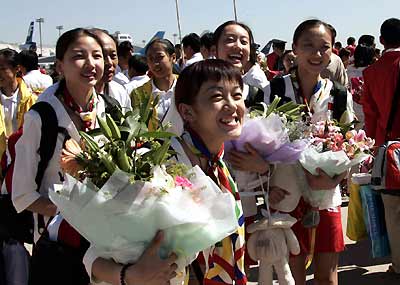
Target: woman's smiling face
159,61
313,49
8,73
83,63
234,46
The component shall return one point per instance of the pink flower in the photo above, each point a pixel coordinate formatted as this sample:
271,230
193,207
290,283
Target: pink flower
68,160
183,182
370,142
360,136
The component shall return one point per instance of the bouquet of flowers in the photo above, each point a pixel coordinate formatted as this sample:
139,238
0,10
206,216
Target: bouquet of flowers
335,149
277,133
279,136
121,187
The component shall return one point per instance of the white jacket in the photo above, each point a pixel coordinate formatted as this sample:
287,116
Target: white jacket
36,81
27,158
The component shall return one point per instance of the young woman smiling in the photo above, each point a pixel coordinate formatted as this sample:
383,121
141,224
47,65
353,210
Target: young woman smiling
234,42
312,45
58,252
160,54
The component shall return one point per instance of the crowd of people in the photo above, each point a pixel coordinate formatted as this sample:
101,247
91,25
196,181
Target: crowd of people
203,87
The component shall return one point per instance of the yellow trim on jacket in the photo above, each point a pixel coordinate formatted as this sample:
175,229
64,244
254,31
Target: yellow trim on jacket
26,100
142,93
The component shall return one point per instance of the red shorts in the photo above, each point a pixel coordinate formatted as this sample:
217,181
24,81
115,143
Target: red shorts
247,259
329,235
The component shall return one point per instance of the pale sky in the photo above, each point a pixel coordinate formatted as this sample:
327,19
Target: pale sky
268,19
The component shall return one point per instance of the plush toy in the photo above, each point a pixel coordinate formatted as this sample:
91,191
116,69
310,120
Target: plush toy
270,242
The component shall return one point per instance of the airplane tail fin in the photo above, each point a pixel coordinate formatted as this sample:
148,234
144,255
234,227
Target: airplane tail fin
29,37
158,35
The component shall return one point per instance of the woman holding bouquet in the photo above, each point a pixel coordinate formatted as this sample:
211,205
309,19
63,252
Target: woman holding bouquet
209,98
58,252
312,44
234,41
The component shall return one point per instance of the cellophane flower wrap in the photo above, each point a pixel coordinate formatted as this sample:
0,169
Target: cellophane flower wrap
279,136
335,149
121,187
276,132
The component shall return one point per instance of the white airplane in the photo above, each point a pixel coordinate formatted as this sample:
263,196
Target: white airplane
29,44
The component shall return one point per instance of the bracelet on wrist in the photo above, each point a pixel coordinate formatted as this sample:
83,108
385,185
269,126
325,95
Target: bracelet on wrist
122,273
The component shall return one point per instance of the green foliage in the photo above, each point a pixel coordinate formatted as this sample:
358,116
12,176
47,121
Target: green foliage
125,144
290,110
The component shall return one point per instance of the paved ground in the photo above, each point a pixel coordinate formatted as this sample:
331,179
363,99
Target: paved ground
356,266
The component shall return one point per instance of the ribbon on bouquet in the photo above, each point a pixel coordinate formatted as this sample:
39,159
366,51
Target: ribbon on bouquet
309,258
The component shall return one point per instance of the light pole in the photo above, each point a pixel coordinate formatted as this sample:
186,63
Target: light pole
234,10
40,21
179,21
59,28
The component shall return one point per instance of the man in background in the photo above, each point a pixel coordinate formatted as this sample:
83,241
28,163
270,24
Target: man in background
35,80
380,82
191,49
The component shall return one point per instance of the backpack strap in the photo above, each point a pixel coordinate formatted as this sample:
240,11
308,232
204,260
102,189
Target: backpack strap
48,141
256,95
278,88
110,103
339,93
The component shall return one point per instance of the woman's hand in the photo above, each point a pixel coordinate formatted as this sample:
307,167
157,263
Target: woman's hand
43,206
150,269
276,195
248,161
323,181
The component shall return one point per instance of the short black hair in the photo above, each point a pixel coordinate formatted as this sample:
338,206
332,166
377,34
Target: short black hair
28,59
338,45
192,40
10,56
344,52
367,40
192,77
138,63
351,41
168,46
390,31
279,45
364,56
124,49
207,40
307,24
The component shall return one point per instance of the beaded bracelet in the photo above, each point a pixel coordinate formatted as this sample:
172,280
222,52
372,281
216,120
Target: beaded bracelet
123,273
